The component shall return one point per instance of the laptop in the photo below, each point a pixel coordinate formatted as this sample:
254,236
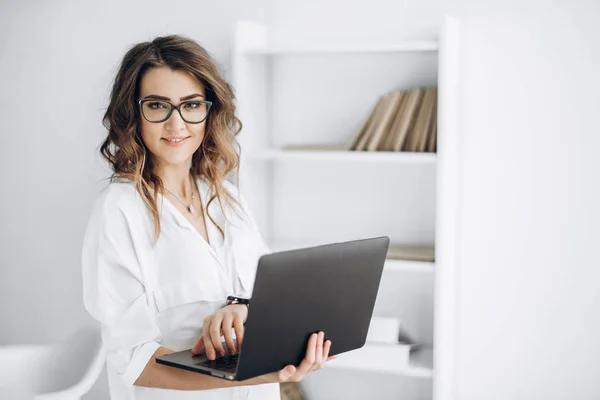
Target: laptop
330,288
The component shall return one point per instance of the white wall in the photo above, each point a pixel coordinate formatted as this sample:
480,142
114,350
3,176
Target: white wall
340,22
526,320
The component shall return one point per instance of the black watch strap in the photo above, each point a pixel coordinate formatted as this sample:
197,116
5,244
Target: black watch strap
237,300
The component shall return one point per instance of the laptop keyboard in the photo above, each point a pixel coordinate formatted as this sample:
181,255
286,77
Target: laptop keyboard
227,364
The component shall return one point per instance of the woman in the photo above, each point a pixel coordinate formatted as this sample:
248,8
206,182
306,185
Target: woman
169,239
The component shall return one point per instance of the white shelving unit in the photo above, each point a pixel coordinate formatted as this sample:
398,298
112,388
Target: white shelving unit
367,358
354,49
390,264
319,95
345,156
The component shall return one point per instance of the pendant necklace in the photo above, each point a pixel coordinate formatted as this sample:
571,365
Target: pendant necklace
190,207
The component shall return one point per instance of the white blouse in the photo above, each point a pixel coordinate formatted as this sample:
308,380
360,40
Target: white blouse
146,295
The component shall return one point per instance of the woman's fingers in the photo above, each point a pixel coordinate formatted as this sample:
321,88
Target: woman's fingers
286,373
325,357
226,330
220,325
214,333
317,354
309,359
208,347
198,346
318,351
238,327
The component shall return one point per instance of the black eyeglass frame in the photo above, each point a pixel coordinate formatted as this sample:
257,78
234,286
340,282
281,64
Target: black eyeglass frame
174,107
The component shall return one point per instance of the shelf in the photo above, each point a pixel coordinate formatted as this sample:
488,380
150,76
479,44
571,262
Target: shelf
348,156
390,264
409,46
409,266
368,358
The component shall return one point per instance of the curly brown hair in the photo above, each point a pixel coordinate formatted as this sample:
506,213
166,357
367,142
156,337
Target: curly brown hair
124,148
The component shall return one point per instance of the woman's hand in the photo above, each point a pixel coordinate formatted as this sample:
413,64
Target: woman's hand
317,354
221,323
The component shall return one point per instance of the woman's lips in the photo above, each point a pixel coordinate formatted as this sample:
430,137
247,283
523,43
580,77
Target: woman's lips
175,143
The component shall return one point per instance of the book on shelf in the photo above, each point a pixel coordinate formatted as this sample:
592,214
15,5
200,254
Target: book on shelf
377,357
411,252
432,139
407,120
417,141
311,147
384,330
400,121
360,132
389,330
375,120
383,125
387,142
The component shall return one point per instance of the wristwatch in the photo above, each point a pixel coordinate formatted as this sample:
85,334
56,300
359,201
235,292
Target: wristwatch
237,300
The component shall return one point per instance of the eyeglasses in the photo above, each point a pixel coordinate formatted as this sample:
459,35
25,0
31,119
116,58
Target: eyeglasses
191,111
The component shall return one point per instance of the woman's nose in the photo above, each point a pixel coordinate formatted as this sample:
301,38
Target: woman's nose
175,122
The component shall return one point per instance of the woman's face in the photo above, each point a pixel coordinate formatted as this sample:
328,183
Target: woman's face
163,83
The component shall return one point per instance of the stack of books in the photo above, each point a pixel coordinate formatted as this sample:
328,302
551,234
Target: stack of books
400,121
386,340
411,252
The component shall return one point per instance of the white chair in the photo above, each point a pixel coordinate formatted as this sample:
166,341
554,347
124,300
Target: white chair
65,371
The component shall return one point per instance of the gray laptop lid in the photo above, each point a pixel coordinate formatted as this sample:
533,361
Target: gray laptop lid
330,288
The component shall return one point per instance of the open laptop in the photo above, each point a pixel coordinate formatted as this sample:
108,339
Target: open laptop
330,288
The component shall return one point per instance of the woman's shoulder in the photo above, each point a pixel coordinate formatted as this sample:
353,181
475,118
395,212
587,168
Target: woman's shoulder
237,194
231,189
119,196
119,217
239,207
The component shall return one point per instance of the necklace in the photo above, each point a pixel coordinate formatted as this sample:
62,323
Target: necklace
190,208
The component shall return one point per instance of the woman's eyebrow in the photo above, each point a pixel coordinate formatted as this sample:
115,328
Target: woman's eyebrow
189,96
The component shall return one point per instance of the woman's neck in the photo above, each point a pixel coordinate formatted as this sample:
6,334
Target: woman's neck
176,178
